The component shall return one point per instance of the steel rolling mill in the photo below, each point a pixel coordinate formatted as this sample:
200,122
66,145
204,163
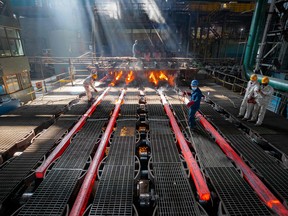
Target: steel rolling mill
131,153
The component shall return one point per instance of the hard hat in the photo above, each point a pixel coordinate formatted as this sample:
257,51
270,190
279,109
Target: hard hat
94,76
253,77
194,83
265,80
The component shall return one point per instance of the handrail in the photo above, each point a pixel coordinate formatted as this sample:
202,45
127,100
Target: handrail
241,83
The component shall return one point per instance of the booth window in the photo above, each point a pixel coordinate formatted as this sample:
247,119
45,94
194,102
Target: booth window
12,83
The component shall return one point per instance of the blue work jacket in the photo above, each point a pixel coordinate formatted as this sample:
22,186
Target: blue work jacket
196,96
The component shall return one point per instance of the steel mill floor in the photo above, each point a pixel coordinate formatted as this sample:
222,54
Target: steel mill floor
131,153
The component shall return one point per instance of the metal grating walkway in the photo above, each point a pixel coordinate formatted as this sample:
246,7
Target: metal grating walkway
276,177
14,173
114,195
175,196
122,149
64,176
204,147
25,125
106,106
77,153
52,196
130,105
236,195
163,145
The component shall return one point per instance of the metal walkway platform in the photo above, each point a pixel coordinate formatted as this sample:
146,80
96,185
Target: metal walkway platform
19,126
237,197
272,171
274,128
175,196
20,167
60,183
114,195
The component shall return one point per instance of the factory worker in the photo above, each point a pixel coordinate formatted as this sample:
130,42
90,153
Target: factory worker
135,49
249,93
263,97
194,103
90,82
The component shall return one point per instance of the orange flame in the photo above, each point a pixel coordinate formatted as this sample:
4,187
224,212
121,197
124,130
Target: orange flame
171,79
129,78
152,78
119,75
162,76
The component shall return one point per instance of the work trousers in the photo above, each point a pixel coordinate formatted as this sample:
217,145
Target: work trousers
259,111
88,92
192,113
243,107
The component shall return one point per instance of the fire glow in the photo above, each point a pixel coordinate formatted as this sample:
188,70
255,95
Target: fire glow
162,76
154,77
117,76
129,78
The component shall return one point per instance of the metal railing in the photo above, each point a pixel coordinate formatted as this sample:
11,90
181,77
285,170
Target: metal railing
236,84
47,85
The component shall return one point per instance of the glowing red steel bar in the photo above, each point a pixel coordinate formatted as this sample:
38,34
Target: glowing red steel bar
263,192
198,179
87,185
40,172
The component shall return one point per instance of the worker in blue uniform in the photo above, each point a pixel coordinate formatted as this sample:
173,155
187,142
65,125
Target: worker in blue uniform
194,103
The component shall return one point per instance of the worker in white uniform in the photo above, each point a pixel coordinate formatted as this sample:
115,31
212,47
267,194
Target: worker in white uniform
263,97
90,82
249,92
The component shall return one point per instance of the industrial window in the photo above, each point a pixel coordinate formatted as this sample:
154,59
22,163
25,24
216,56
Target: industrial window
2,87
25,79
12,83
14,42
4,48
10,43
4,45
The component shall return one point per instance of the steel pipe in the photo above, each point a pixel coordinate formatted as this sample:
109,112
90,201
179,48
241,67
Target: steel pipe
195,171
58,151
87,185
